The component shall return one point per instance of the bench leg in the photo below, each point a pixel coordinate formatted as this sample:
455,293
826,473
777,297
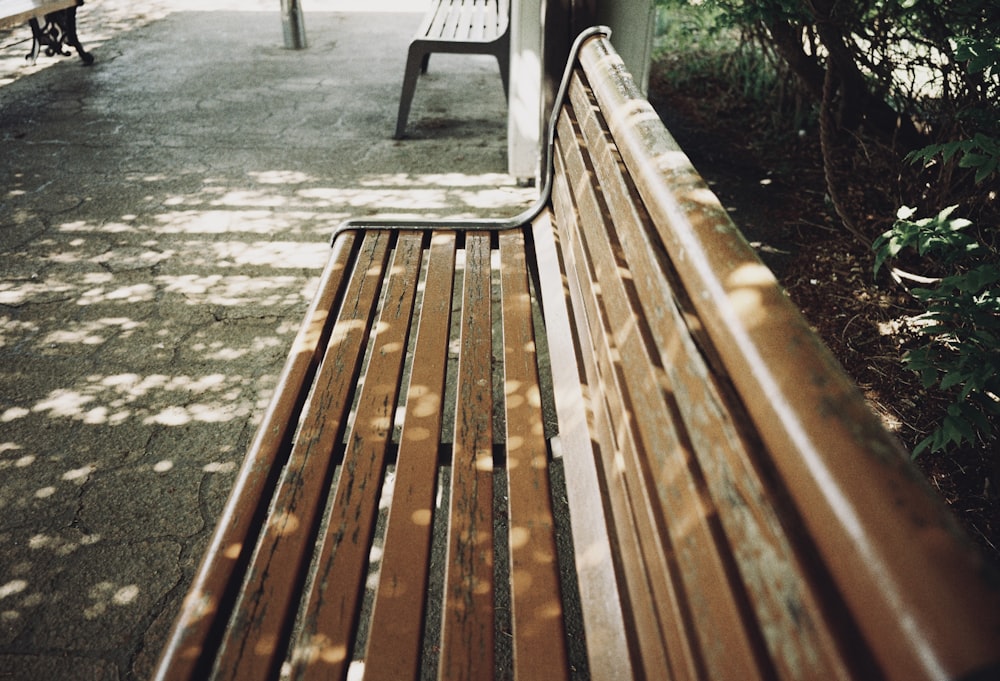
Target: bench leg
415,60
59,30
503,60
69,26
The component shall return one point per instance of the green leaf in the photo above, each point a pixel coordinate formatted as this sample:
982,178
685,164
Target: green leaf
970,160
986,170
950,379
922,446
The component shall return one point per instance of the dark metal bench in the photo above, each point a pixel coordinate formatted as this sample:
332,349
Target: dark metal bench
457,27
58,29
596,439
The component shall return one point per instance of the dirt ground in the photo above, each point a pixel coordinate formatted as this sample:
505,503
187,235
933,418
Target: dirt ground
773,185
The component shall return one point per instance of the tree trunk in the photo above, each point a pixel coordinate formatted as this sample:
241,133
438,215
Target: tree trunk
857,104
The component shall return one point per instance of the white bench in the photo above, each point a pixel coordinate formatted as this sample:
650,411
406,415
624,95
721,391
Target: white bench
457,27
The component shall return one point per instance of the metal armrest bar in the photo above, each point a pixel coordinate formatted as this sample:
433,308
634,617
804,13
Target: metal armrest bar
496,224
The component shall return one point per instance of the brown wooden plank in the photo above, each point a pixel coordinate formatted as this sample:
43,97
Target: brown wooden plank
884,536
17,12
659,461
330,619
394,642
251,647
659,647
235,534
601,601
536,603
467,623
801,646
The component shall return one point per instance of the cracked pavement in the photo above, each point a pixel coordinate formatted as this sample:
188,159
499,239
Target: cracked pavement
164,216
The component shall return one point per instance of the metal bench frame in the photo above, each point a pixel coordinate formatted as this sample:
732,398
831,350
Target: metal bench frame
735,510
456,27
58,30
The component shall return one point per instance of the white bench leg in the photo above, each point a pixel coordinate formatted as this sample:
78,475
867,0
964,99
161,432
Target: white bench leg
416,61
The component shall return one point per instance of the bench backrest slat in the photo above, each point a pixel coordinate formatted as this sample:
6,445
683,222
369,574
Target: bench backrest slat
803,458
699,456
645,625
688,573
599,586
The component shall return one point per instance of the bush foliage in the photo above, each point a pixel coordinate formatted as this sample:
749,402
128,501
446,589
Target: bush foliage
920,78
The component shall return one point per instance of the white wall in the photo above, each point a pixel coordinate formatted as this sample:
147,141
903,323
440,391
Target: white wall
632,23
525,90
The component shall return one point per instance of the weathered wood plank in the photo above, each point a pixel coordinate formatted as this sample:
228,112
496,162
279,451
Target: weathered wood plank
17,12
536,602
661,641
843,471
252,646
394,643
331,614
601,600
784,611
467,650
210,597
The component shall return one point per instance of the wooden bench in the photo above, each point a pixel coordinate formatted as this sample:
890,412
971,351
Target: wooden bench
594,440
458,27
58,30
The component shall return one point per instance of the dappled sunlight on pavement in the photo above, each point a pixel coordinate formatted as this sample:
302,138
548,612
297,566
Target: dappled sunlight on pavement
164,217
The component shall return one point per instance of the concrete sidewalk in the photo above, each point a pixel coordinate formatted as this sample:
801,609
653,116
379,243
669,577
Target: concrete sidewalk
164,215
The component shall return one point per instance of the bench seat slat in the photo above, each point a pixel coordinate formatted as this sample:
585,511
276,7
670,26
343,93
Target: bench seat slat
451,21
335,596
280,562
467,649
536,603
465,21
479,22
394,642
209,600
16,12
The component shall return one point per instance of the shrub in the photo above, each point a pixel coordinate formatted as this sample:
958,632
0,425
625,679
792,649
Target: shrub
959,330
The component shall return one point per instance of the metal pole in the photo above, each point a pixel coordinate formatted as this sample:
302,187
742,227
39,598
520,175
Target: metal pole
293,25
